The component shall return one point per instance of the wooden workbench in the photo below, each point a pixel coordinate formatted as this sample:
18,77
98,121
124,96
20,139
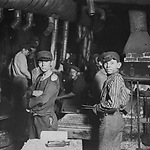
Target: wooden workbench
79,126
37,144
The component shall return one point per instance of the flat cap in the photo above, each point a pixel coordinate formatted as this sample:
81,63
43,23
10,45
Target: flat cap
33,44
75,68
107,56
44,56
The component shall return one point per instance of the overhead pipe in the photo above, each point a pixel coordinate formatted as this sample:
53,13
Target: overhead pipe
94,22
27,5
35,5
84,18
16,23
22,4
85,42
90,39
11,4
39,5
54,36
85,31
29,18
79,31
98,20
54,40
49,7
66,9
135,2
1,14
88,53
51,25
82,32
91,8
16,4
65,40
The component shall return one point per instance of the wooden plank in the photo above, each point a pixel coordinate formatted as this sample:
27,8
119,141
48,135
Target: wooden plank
76,126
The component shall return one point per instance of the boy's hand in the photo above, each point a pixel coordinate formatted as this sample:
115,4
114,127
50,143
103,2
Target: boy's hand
95,109
37,93
128,91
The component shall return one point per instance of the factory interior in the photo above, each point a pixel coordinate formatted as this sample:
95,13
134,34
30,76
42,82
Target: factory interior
83,29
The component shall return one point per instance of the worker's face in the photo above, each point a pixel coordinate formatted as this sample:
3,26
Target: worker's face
111,66
73,73
44,65
33,49
26,52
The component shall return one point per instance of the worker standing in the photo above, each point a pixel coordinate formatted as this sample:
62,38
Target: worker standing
39,100
114,98
18,70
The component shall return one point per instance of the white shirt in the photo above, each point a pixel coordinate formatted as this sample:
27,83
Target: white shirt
20,66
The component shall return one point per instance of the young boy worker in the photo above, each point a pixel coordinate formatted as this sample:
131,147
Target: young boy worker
39,100
114,98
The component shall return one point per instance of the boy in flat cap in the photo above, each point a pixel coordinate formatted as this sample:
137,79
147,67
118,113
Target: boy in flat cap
75,89
39,100
114,98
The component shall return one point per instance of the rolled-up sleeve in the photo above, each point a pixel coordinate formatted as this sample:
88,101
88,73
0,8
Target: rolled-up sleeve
117,94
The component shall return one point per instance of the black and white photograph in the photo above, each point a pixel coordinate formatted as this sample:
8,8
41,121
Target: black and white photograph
74,74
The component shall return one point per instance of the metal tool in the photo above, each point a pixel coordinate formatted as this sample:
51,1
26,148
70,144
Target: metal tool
57,143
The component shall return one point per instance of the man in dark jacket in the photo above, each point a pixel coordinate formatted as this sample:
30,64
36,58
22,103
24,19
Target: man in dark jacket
75,91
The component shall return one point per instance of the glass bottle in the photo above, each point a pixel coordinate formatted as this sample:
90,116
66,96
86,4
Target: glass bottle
132,71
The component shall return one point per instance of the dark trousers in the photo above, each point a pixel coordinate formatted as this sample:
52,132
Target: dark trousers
19,87
37,124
